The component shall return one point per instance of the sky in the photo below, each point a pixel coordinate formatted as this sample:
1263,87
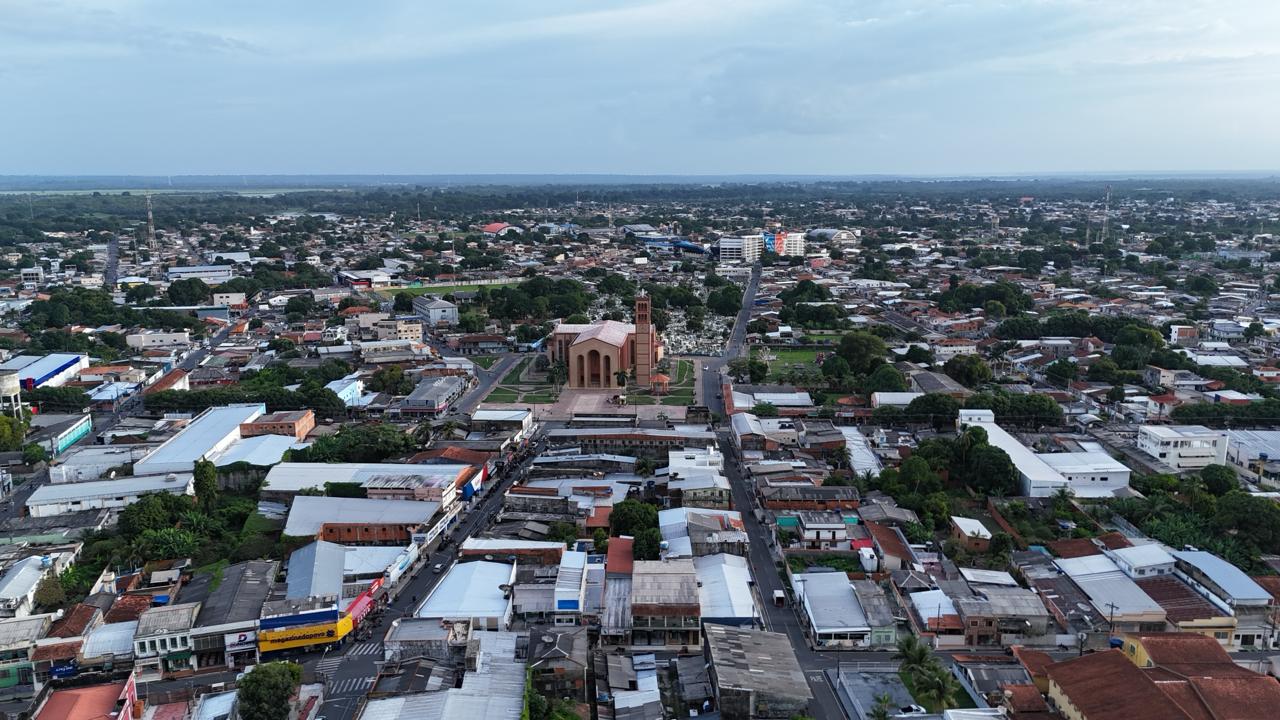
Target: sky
919,87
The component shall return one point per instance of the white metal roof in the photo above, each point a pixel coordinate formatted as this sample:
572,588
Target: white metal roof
469,590
1108,588
830,602
123,486
1083,462
971,527
310,512
110,639
1232,580
201,436
724,586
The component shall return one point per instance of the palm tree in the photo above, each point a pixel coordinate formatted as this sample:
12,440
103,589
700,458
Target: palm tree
620,377
913,655
881,709
937,686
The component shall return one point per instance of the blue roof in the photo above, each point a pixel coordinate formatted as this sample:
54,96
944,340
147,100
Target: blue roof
1230,578
315,570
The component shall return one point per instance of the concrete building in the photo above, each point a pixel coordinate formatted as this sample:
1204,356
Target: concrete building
295,423
53,370
755,674
64,498
162,643
210,433
348,389
148,339
745,249
1090,474
596,353
210,274
832,612
432,396
664,603
397,329
1183,447
362,521
435,311
475,592
1229,589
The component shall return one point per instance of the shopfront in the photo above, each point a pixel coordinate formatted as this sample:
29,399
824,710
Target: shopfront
302,636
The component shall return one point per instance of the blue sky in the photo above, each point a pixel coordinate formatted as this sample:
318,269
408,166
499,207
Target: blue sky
664,86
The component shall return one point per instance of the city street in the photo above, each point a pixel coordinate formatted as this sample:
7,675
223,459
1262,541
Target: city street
712,367
349,672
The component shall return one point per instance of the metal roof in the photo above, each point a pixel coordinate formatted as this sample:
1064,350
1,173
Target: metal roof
200,437
316,570
470,590
724,586
110,639
309,513
124,486
830,602
1108,588
1239,587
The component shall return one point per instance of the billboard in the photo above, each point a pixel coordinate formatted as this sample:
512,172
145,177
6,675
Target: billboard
304,635
240,641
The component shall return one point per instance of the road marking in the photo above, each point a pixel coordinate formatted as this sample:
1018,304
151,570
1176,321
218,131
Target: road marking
349,686
372,648
329,663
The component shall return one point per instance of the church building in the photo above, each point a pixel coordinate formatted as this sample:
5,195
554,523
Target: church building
596,352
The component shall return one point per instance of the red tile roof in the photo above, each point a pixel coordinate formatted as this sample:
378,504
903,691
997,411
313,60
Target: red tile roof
599,517
74,622
620,558
127,608
85,703
56,651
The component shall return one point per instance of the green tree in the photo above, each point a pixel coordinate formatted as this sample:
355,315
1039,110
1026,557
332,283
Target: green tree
968,370
403,302
564,532
936,408
647,545
33,453
862,350
739,369
912,654
1061,372
991,472
50,595
629,517
139,293
835,367
600,540
937,687
206,484
167,543
885,378
189,291
764,410
1219,479
757,371
265,693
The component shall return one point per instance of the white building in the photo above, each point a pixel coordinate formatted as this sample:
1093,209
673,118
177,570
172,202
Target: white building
1143,561
741,249
1183,447
53,370
435,311
1038,479
63,498
1090,474
157,339
210,274
210,433
477,592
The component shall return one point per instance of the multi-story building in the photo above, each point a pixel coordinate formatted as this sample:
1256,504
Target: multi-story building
435,311
148,339
397,329
295,423
745,249
664,603
162,643
1183,447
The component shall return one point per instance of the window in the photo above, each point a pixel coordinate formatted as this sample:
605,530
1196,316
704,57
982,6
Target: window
1220,635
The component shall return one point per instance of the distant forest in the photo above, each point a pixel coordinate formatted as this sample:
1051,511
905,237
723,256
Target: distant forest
24,216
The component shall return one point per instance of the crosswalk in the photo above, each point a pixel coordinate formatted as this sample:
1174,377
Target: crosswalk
350,686
369,648
329,664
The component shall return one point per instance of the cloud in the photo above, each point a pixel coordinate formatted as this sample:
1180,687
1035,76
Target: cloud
649,86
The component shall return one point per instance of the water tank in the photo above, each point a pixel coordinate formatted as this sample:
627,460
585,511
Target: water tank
867,556
10,384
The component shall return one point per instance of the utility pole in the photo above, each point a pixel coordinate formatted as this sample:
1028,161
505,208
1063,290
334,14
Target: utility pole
151,228
1106,214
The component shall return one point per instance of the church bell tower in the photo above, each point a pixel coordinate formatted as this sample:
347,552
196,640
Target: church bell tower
644,342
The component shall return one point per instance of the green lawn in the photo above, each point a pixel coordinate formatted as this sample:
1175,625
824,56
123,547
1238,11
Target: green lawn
501,395
486,361
513,377
677,400
537,397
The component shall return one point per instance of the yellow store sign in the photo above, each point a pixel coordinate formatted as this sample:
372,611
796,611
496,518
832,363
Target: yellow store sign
303,635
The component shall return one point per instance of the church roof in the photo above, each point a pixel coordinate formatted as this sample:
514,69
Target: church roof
609,331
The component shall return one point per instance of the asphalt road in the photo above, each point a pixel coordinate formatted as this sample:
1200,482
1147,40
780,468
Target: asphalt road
711,368
487,380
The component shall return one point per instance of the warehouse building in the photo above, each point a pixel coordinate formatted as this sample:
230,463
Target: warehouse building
64,498
53,370
210,433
